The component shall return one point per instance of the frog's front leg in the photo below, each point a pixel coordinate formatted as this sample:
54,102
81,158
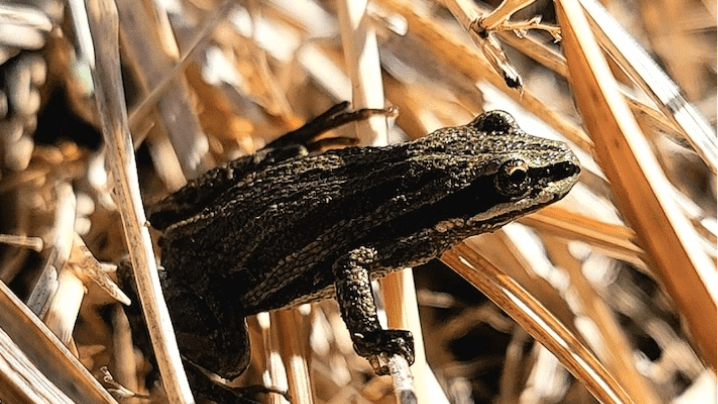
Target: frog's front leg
356,301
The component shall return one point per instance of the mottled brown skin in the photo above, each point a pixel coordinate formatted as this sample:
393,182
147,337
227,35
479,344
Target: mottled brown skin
285,226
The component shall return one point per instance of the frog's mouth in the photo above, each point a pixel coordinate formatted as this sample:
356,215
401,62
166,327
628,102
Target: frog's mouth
557,179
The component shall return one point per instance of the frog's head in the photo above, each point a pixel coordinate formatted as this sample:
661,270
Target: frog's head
496,172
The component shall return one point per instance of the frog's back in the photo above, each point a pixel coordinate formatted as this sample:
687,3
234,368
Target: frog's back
271,239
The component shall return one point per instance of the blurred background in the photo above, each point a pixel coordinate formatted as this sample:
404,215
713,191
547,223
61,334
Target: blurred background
206,81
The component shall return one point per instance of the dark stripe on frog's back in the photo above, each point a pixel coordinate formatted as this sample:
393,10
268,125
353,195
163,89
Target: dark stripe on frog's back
250,195
237,208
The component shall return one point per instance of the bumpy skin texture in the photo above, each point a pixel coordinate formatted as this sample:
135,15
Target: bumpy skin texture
285,227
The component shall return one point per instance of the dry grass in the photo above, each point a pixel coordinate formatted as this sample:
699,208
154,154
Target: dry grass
616,284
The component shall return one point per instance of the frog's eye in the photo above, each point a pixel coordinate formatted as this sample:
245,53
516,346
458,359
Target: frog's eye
512,178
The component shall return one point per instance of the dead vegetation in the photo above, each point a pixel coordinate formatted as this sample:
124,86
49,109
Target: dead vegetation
610,294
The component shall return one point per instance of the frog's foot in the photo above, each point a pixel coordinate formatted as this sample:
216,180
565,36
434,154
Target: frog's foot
378,345
334,117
